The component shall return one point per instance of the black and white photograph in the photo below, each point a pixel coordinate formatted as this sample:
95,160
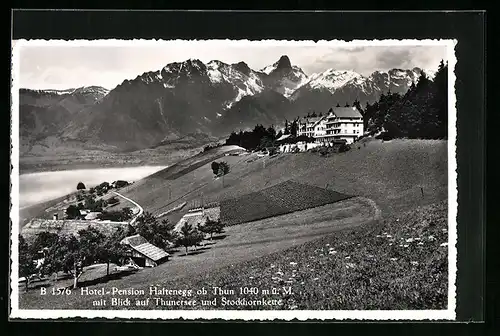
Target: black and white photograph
233,179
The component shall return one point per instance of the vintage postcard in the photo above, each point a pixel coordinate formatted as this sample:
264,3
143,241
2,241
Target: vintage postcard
233,179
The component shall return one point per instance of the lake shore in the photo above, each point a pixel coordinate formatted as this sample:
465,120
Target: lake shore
94,160
51,167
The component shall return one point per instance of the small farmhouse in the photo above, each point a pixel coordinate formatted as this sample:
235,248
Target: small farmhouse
67,227
143,253
84,212
198,216
92,215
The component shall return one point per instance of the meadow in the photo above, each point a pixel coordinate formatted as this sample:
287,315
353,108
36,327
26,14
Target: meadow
385,248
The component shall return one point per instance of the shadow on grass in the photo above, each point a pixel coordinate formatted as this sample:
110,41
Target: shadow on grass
219,237
192,253
104,279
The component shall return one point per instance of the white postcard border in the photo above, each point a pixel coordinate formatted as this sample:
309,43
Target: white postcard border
448,314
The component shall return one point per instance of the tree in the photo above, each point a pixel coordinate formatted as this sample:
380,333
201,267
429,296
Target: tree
27,265
72,257
113,200
64,254
127,214
338,105
287,128
266,142
271,133
72,212
223,168
346,104
294,128
279,135
211,226
80,186
440,100
90,244
314,114
188,236
112,250
161,234
215,167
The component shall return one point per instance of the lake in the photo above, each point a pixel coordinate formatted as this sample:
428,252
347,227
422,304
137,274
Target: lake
40,187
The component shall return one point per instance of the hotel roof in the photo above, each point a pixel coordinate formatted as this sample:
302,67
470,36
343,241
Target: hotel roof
347,112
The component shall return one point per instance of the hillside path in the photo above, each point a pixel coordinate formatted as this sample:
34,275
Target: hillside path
141,210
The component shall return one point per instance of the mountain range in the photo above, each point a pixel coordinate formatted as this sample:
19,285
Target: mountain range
195,100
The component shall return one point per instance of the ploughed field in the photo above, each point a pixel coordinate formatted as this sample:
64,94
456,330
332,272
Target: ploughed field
277,200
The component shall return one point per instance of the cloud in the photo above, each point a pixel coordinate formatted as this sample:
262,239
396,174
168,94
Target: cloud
393,59
69,66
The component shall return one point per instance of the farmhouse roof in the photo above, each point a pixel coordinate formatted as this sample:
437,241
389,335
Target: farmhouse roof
199,217
92,215
283,137
347,112
141,245
60,226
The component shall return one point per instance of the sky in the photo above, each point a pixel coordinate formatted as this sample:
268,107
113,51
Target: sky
69,66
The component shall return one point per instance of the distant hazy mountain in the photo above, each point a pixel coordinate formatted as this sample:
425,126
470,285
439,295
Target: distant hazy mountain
194,100
44,113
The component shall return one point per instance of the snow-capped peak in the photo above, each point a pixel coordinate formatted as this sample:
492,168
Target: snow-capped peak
268,69
97,90
334,79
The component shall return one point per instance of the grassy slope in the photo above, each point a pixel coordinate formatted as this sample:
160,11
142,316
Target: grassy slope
240,243
401,264
389,173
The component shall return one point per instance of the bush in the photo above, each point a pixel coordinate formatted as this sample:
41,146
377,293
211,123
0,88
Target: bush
80,186
215,167
385,136
72,212
273,151
323,150
220,168
113,200
223,168
211,146
117,216
120,184
344,148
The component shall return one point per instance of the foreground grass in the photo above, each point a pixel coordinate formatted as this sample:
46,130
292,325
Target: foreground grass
238,244
400,264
